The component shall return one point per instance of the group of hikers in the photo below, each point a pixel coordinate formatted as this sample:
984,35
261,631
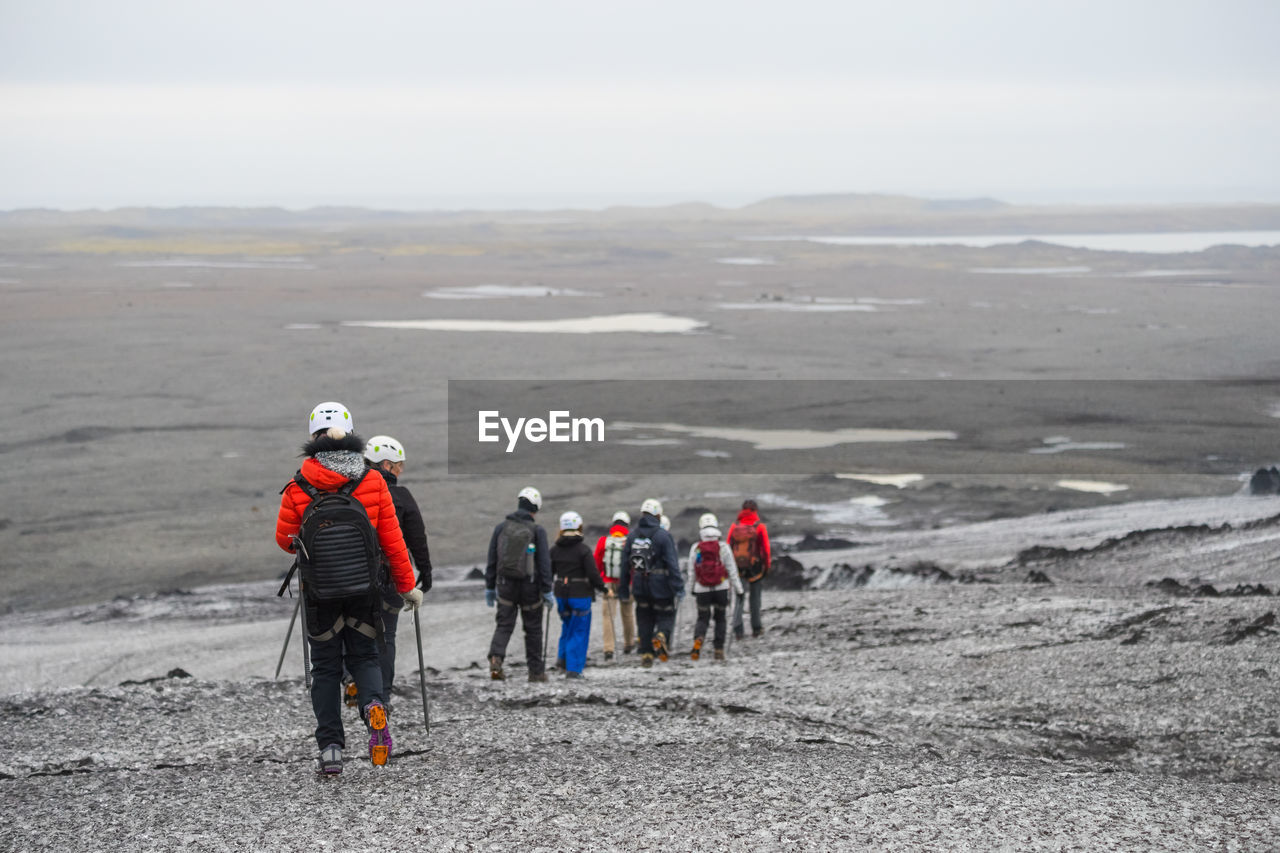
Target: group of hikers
637,572
357,536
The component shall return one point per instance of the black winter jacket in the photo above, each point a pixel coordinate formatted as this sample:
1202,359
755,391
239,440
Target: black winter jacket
665,580
574,567
541,557
411,525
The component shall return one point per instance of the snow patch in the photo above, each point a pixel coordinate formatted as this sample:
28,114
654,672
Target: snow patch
644,323
899,480
503,291
794,439
1096,486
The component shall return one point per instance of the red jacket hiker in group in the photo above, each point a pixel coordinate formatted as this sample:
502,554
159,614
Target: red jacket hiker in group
620,530
749,517
372,493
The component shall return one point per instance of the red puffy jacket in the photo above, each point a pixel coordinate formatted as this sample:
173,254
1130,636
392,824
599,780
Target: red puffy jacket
372,492
747,518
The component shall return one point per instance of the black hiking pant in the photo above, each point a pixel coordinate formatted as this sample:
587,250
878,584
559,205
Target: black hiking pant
717,601
754,589
654,615
391,605
521,597
342,633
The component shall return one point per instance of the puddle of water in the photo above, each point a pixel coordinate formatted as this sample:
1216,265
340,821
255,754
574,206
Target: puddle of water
899,480
296,327
503,291
713,454
1097,486
747,262
1061,444
1168,273
794,439
658,324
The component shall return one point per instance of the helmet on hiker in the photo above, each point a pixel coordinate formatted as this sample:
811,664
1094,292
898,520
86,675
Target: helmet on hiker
665,522
383,448
652,506
623,516
328,415
570,521
532,495
708,519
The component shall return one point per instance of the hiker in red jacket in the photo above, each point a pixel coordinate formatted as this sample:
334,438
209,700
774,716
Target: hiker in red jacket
343,632
749,541
609,561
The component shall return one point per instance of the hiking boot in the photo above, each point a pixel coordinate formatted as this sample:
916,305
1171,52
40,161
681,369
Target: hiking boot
495,668
697,649
646,660
757,633
738,633
608,656
560,664
660,646
630,648
537,676
349,693
719,654
379,734
572,674
331,760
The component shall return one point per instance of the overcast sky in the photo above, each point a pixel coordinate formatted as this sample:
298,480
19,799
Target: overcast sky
548,102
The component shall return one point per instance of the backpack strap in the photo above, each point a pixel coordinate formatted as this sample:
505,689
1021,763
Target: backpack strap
352,485
310,490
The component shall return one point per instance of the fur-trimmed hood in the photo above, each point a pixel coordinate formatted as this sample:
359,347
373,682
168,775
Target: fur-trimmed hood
343,456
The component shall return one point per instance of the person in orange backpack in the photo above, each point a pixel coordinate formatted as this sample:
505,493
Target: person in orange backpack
608,556
712,571
338,556
749,541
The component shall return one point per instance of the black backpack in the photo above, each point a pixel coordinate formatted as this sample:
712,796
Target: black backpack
515,549
643,556
338,552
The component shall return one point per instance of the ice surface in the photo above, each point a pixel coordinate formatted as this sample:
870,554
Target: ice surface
605,324
793,439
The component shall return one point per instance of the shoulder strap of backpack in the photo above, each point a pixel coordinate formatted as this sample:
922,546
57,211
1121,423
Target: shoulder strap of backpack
352,485
310,490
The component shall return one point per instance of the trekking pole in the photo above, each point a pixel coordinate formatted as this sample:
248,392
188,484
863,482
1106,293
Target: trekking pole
287,635
422,671
546,634
306,643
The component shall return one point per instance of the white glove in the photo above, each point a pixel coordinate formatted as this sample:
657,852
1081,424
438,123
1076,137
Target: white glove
412,598
738,589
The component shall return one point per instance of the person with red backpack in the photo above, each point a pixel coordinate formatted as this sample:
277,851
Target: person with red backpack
608,556
340,520
713,570
749,541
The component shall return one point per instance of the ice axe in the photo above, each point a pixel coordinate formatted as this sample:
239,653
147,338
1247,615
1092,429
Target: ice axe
422,671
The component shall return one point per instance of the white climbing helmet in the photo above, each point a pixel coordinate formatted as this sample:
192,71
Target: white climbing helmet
623,516
665,522
653,506
383,448
532,495
570,521
708,519
328,415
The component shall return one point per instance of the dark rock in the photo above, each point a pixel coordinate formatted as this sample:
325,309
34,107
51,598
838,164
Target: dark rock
1258,626
1040,554
810,542
1037,576
1265,481
476,574
1248,589
787,573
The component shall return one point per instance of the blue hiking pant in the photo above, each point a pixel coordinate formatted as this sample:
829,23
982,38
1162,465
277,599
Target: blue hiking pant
575,631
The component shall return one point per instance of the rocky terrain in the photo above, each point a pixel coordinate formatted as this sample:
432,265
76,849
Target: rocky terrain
1090,707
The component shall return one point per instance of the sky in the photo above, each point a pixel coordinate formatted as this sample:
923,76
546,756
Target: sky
429,105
